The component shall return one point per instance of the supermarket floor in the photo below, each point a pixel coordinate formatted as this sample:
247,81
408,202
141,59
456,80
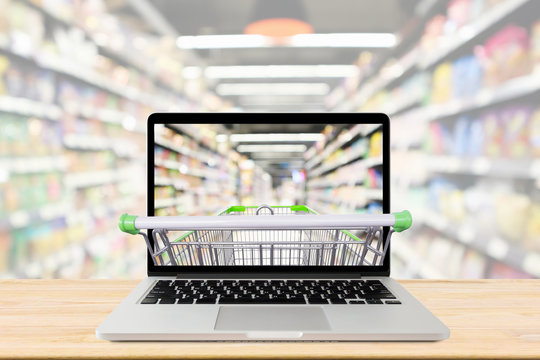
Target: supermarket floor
459,79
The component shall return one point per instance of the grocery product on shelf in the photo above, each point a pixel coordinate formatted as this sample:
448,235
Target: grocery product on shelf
506,55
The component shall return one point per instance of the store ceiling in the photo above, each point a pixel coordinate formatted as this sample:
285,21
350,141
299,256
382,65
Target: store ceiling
211,17
214,17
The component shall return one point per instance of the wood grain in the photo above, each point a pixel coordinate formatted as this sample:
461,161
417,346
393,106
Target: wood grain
57,319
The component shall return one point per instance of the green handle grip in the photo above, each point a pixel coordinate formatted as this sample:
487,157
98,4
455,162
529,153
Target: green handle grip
126,223
403,220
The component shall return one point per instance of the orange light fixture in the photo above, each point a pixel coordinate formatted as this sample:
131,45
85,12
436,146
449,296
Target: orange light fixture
278,27
278,19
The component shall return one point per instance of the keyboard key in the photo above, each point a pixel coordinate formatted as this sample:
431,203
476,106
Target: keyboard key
338,301
185,301
374,301
397,302
357,302
148,300
317,301
167,301
206,301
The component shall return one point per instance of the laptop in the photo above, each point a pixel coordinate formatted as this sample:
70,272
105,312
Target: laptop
269,227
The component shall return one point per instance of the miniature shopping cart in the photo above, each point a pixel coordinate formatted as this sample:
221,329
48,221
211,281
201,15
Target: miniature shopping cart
267,235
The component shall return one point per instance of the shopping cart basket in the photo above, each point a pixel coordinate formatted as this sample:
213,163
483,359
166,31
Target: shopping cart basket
267,235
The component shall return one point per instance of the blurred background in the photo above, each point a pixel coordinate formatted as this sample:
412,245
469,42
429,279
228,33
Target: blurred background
460,80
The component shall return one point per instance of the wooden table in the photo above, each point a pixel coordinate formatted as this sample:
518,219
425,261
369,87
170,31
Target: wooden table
57,319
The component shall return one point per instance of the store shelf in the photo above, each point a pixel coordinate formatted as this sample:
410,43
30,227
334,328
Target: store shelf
484,166
353,202
367,162
117,56
494,247
449,45
121,147
359,129
96,178
163,203
73,69
415,262
177,184
22,218
99,211
34,164
186,170
385,80
22,106
512,89
182,150
321,184
416,60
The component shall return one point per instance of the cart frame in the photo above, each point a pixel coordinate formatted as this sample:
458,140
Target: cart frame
268,235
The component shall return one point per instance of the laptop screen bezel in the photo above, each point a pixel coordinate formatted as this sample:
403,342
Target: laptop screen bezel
269,271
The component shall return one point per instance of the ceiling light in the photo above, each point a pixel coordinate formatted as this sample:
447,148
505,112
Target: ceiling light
279,18
276,155
280,71
354,40
273,89
223,41
269,137
220,138
271,148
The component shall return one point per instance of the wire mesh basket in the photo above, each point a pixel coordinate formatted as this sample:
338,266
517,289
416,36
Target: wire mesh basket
267,235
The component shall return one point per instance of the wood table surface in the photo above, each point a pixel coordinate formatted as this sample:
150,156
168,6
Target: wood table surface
57,319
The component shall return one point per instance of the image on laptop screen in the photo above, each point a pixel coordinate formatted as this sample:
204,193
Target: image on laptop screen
268,170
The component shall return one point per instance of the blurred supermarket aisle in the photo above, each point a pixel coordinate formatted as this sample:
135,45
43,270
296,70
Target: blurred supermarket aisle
203,169
460,80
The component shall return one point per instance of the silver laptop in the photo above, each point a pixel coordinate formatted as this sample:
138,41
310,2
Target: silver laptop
269,227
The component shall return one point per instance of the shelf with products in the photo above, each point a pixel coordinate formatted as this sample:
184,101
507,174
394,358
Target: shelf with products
448,45
22,106
496,219
96,178
92,33
207,173
192,176
522,86
433,48
351,197
378,72
485,166
81,108
78,72
39,237
495,247
33,164
416,262
313,158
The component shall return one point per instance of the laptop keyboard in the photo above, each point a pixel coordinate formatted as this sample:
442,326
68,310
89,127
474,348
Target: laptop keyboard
321,292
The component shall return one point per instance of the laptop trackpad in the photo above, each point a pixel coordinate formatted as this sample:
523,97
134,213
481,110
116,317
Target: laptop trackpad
273,318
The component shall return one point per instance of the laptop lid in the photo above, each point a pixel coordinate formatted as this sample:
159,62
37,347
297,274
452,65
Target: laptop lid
345,149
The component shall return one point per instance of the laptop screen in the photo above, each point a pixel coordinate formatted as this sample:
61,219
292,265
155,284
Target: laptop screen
240,173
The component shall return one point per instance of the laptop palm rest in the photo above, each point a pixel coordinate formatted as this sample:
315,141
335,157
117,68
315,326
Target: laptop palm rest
272,320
